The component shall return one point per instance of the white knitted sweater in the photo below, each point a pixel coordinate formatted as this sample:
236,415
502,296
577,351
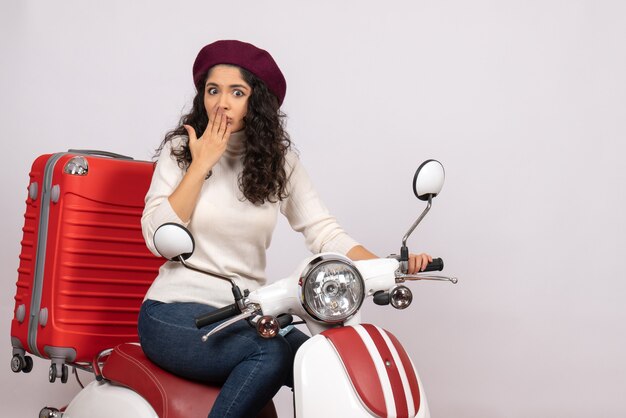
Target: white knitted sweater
231,234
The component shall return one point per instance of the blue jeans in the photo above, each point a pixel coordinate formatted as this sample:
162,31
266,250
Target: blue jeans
250,369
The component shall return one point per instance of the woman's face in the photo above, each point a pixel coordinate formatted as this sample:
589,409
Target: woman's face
226,89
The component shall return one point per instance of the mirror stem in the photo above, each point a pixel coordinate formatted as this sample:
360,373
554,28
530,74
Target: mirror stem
404,250
406,236
235,289
219,276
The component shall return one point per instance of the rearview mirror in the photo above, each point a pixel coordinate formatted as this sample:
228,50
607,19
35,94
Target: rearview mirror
173,241
428,179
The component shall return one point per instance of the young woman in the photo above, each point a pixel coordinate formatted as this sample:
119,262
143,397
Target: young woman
225,173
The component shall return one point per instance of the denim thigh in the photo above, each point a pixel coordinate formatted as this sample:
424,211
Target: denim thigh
250,369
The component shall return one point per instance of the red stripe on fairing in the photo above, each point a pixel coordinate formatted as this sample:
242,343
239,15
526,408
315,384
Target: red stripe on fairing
408,368
360,367
392,371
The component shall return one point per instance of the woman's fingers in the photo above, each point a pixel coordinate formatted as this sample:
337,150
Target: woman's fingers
214,123
222,127
426,258
418,262
191,132
424,261
229,127
412,264
218,127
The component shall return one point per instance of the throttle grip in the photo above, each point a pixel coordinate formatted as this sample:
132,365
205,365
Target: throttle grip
217,315
435,265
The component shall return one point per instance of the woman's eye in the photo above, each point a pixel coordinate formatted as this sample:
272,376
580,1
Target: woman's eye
212,91
238,93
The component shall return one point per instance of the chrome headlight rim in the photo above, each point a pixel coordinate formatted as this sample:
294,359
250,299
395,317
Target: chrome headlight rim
319,261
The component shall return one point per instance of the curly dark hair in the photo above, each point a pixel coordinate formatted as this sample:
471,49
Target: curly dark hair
264,178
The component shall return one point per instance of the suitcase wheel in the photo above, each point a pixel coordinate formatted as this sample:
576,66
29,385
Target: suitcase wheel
53,373
29,364
20,363
64,373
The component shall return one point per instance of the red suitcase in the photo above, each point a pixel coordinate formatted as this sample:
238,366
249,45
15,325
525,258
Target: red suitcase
84,267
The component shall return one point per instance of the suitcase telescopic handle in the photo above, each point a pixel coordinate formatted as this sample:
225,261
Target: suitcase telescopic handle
102,153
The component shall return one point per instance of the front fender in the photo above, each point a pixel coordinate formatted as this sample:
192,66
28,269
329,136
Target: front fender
359,371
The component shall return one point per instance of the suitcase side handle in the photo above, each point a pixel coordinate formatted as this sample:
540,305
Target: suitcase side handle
102,153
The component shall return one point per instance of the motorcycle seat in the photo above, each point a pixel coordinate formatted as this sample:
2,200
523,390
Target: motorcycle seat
170,396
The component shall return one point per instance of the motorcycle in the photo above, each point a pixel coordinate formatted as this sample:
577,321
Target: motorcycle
346,369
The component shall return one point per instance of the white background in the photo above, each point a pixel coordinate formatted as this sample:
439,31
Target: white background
524,102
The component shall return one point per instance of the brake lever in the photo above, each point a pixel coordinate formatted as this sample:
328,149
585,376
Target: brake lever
401,277
246,313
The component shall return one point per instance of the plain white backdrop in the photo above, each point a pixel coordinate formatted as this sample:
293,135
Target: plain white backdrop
524,102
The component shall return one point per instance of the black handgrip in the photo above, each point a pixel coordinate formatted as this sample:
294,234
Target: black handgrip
217,316
435,265
285,320
101,153
381,298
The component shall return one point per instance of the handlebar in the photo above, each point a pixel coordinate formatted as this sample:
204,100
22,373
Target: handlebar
435,265
217,315
231,310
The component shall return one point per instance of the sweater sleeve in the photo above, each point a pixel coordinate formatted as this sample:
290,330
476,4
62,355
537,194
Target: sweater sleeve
157,211
306,213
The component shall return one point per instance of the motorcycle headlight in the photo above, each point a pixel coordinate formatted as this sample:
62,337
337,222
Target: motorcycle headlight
332,289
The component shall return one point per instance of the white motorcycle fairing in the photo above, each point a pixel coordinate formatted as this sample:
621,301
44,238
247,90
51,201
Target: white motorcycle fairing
357,371
106,400
284,296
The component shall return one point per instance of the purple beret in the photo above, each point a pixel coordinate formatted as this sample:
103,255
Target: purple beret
258,61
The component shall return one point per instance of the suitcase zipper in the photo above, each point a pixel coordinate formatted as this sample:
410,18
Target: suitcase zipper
40,256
